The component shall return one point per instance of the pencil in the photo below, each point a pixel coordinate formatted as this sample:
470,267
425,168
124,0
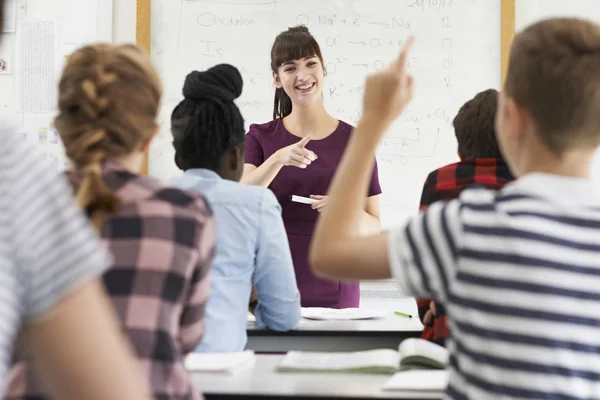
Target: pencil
402,314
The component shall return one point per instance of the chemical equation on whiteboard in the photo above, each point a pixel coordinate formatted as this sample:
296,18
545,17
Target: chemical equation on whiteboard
333,20
398,151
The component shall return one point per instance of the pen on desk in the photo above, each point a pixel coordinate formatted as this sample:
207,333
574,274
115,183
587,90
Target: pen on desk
402,314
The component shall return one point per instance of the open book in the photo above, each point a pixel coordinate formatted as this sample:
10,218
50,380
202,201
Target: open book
422,354
412,354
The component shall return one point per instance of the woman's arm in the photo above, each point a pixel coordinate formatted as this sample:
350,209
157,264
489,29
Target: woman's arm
262,175
295,155
80,352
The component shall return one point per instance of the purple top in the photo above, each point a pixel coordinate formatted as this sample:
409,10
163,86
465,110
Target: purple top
299,219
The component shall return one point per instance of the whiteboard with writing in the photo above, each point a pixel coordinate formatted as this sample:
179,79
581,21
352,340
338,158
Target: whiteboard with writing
456,55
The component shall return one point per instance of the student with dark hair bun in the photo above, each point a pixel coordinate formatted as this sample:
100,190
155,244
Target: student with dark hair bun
297,154
208,136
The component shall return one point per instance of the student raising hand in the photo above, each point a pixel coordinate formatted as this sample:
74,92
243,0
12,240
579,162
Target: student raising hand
337,251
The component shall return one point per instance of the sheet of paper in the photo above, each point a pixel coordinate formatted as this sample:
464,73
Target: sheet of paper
319,361
79,21
38,129
218,362
5,63
9,21
36,79
344,314
435,381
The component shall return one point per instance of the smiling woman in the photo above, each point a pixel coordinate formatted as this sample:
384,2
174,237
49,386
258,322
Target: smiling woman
297,154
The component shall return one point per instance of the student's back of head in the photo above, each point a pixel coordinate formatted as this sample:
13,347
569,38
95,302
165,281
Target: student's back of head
252,247
109,98
161,238
475,129
552,90
207,126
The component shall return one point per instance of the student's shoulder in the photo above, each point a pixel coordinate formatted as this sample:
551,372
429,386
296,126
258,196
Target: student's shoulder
255,197
479,197
178,202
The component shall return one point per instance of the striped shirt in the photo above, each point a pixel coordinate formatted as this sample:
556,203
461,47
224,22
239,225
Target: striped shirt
519,272
47,248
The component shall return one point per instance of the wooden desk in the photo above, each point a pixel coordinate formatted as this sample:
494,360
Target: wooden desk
336,335
260,381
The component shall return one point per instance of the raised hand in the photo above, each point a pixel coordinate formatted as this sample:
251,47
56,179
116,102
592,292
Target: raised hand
388,91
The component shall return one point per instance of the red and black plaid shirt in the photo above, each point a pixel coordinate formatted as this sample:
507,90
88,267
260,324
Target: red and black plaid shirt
446,183
162,241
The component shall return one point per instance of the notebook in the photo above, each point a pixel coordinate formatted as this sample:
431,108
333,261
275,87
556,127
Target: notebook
431,380
422,354
218,362
344,314
412,354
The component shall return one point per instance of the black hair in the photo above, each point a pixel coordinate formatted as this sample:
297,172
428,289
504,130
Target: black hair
1,14
293,44
474,126
207,123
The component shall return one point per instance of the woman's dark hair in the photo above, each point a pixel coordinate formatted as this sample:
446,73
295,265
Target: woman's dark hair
293,44
207,123
1,14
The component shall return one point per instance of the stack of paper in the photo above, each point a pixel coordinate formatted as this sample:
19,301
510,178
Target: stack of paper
383,361
217,362
433,380
344,314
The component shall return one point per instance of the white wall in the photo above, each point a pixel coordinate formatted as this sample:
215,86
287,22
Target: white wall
530,11
124,13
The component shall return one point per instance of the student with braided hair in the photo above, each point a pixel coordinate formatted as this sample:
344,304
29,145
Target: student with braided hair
252,247
161,238
52,304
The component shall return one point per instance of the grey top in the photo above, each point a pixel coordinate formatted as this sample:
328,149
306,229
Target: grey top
47,248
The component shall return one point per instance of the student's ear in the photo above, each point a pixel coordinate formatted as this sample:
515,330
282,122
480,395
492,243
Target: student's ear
517,119
276,80
178,162
145,145
236,161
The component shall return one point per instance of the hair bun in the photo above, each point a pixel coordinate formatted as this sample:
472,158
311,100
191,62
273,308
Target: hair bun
298,29
222,81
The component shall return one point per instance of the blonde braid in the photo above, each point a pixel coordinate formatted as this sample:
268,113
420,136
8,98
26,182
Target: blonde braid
108,100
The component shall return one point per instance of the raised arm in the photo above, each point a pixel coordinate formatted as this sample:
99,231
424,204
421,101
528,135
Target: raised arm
338,250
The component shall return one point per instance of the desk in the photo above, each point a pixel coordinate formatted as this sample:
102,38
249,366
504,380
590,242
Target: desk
384,333
260,381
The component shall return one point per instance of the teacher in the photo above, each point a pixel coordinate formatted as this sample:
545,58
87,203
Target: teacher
297,154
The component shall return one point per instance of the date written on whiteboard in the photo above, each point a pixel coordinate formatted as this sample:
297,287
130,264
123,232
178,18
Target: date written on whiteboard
428,4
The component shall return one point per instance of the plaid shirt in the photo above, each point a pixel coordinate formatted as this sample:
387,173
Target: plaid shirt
162,241
446,183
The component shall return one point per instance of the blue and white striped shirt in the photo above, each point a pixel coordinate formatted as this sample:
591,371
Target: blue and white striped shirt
519,272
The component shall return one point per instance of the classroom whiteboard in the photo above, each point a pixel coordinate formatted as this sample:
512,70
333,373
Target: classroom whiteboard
457,54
